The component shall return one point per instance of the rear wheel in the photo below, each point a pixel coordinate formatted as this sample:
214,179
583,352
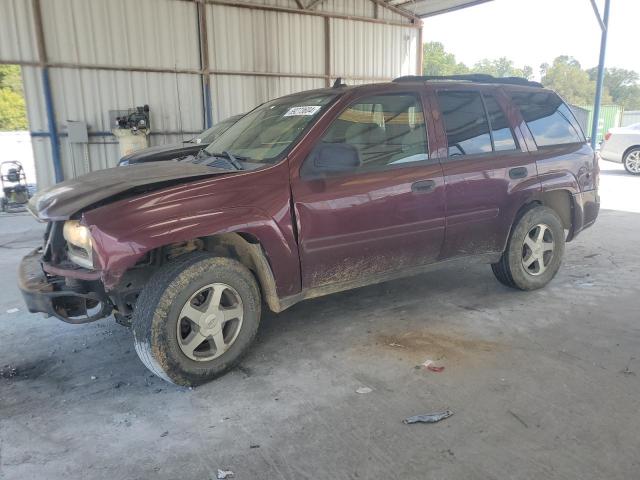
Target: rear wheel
534,251
631,161
195,318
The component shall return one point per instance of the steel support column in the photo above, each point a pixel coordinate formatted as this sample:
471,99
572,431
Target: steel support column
52,125
604,26
204,64
420,53
327,51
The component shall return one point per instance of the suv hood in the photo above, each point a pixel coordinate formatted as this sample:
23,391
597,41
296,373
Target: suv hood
64,199
162,152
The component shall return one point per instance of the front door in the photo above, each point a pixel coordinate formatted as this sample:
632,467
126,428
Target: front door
387,213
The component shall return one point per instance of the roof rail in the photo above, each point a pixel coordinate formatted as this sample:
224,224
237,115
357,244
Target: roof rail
473,77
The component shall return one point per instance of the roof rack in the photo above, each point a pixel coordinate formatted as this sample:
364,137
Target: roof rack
473,77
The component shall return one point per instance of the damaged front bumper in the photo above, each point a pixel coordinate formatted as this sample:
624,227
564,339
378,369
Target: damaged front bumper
69,295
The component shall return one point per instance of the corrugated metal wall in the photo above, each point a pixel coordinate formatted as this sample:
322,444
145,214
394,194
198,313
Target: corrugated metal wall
97,50
610,117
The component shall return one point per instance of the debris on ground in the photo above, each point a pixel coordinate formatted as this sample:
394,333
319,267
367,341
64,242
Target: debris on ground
397,345
626,370
364,390
255,445
13,310
164,434
517,417
8,372
93,377
432,367
428,417
222,474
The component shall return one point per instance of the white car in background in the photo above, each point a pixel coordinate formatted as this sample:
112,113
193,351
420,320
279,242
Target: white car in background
622,144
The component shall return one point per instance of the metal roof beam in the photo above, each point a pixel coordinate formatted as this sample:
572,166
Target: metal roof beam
598,16
394,9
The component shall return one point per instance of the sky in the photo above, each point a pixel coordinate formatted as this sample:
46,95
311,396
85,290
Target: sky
531,32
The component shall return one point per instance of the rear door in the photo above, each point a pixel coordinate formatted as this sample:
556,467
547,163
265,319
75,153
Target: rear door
488,171
385,215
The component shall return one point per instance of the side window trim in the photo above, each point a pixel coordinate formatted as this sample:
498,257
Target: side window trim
518,147
488,119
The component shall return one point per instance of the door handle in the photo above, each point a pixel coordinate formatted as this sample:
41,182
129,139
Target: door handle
423,186
518,172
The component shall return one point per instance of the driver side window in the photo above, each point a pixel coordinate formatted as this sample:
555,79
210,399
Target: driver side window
386,130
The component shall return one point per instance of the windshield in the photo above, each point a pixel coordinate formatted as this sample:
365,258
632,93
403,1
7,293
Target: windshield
266,132
210,134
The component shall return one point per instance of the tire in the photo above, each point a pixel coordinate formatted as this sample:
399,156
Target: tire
531,261
631,161
159,322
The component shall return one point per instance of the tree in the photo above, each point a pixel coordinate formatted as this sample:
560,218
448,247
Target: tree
13,114
622,85
10,78
502,67
436,61
566,76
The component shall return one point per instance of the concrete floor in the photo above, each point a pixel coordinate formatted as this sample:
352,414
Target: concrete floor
542,384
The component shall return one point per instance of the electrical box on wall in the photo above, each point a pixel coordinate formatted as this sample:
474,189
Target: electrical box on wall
77,132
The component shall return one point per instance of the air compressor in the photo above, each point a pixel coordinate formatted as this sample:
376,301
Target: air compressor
131,128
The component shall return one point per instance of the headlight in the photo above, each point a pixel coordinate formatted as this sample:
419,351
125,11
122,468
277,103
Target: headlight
79,244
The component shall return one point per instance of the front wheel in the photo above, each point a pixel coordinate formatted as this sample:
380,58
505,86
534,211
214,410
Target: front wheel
195,318
534,251
631,161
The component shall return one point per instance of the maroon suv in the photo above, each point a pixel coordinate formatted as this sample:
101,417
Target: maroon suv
310,194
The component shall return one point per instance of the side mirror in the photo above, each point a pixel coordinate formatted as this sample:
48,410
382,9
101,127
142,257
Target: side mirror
329,158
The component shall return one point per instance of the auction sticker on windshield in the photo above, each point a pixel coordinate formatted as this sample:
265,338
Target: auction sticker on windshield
302,111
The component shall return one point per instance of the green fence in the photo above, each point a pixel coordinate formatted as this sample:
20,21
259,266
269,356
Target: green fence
610,116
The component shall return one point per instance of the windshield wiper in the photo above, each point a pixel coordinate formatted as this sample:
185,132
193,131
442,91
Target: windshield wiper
233,159
201,155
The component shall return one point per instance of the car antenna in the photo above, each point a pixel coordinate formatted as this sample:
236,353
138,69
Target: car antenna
339,83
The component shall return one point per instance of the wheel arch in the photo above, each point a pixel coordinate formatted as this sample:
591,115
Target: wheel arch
560,201
628,150
245,247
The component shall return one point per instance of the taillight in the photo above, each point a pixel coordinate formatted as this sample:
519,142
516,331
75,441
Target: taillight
607,136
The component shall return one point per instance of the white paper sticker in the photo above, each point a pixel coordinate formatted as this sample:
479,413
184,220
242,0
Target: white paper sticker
302,111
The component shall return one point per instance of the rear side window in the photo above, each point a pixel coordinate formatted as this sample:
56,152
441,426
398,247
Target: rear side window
386,129
503,138
465,122
548,118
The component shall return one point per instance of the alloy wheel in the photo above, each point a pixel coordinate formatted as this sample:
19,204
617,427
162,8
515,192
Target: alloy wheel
210,322
632,161
537,249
